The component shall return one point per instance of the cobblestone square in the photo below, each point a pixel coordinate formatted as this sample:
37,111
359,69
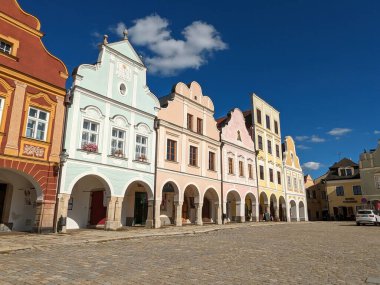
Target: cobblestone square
293,253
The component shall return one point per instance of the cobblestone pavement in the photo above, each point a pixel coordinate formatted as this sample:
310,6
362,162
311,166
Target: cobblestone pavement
296,253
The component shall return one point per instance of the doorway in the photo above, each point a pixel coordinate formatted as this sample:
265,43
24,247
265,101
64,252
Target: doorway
141,208
98,211
3,191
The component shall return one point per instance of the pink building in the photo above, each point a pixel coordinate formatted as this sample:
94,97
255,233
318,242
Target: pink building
239,181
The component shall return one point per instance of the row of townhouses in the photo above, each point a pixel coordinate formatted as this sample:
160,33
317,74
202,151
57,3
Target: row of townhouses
108,153
345,188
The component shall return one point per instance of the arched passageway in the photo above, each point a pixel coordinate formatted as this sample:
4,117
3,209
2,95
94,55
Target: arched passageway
210,207
137,207
274,215
87,205
233,207
282,209
264,211
293,211
250,208
301,207
190,205
169,202
20,201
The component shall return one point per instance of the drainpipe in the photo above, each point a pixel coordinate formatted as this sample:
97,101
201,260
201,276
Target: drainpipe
67,103
221,174
256,166
156,127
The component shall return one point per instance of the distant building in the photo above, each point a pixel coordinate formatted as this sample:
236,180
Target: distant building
239,180
316,196
343,187
263,121
370,177
295,194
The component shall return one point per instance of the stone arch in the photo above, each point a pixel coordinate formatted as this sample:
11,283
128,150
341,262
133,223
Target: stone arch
137,206
250,207
21,198
293,210
210,206
301,211
273,208
282,209
169,202
191,198
234,206
263,206
88,202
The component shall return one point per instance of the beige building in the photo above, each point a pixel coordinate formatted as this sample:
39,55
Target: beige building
370,177
295,195
264,123
317,203
188,185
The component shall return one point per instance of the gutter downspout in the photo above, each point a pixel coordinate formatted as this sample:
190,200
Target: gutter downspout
66,104
156,127
221,174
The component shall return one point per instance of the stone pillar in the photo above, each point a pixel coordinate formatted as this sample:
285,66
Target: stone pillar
15,124
288,216
276,214
198,216
298,214
58,128
239,212
254,212
218,210
63,203
157,219
178,213
149,220
113,220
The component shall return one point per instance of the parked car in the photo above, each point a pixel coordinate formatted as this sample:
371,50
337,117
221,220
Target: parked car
367,217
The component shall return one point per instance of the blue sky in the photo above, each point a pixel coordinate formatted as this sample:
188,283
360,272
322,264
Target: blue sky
318,62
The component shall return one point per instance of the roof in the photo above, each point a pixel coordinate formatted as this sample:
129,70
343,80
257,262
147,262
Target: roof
333,173
345,162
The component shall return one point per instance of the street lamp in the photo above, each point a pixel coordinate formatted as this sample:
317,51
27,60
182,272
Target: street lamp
63,156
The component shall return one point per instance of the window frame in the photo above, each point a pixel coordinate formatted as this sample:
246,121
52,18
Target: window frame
279,182
200,126
171,150
340,188
90,132
36,121
260,142
230,166
278,151
259,116
261,172
269,146
241,168
271,175
193,156
353,190
190,121
6,43
250,171
211,161
124,140
267,122
141,145
276,129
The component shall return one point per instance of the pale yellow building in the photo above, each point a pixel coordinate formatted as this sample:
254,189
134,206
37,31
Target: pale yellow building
264,124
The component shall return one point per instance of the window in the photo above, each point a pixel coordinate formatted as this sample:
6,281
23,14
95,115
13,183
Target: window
314,194
339,191
276,127
357,189
250,172
349,172
289,182
211,161
260,140
2,102
279,177
171,150
269,147
277,150
141,148
271,175
345,171
193,156
5,47
238,136
295,184
262,177
258,115
37,124
199,126
230,165
123,89
117,142
190,122
300,185
323,195
241,168
90,134
267,122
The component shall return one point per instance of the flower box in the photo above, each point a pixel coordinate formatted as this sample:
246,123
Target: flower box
90,147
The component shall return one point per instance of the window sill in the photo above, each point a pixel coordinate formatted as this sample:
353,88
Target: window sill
193,166
118,157
231,174
12,57
212,170
89,152
36,140
142,162
171,161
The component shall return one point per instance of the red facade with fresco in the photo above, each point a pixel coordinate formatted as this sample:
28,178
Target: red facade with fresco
32,93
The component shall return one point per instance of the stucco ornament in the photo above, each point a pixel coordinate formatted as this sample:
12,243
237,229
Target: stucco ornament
123,71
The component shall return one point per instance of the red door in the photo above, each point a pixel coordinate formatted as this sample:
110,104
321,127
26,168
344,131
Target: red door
98,211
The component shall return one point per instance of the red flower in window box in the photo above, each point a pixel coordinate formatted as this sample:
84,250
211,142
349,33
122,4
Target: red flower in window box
90,147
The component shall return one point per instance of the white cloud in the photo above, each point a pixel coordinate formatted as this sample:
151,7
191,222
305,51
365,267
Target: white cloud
311,165
376,132
302,138
316,139
301,146
169,56
339,132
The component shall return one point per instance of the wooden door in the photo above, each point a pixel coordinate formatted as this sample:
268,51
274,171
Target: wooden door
98,211
141,208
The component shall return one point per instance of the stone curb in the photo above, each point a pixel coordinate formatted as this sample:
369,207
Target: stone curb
137,236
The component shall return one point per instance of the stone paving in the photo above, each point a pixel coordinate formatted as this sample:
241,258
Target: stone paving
264,253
